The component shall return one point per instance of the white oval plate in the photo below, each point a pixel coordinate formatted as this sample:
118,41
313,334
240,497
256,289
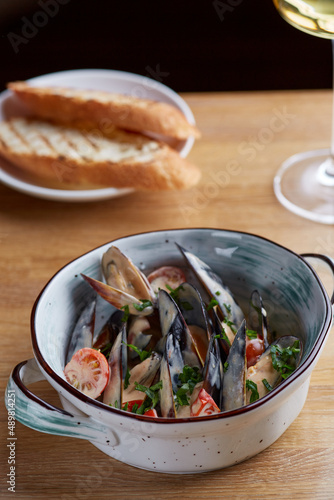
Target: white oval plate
99,79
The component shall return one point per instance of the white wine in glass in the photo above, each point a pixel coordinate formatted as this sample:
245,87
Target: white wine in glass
305,182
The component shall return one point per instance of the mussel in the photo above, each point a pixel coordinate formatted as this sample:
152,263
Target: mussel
82,335
126,287
278,361
222,298
195,354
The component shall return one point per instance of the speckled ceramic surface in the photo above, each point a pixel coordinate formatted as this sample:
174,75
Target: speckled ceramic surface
296,303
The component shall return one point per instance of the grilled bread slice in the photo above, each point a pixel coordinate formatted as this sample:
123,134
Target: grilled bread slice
126,112
76,156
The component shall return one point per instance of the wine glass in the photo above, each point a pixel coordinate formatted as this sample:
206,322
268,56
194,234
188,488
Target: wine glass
305,182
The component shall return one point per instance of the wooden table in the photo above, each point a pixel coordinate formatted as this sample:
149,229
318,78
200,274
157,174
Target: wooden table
245,138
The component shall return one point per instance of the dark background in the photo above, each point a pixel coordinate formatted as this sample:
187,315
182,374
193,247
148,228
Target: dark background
204,45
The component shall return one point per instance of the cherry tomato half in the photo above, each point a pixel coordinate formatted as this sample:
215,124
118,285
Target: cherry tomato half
166,275
254,349
88,371
130,405
204,405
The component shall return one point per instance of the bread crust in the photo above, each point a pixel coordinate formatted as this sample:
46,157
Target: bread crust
156,167
127,112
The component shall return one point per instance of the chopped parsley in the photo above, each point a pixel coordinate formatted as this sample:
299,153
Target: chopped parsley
225,366
251,334
282,357
217,293
222,336
252,386
227,307
141,353
105,350
152,397
212,304
267,385
174,292
126,314
127,379
188,378
143,305
230,324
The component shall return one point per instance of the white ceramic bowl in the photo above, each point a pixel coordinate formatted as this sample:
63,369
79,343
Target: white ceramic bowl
296,302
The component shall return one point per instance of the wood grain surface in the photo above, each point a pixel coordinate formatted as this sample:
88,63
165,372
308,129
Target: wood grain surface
245,137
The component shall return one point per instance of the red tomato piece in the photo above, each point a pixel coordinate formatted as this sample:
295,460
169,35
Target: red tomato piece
130,404
254,349
88,371
203,405
166,275
151,413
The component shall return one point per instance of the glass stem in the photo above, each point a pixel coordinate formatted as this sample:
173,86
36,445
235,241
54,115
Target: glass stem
332,139
325,174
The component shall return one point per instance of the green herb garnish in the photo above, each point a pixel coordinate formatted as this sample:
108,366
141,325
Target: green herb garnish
105,350
188,378
230,324
143,305
267,385
251,334
252,386
141,353
212,304
282,356
227,307
222,336
174,292
126,314
152,396
225,366
127,379
218,293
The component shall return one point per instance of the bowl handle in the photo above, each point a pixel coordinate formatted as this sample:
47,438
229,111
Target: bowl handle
327,260
30,410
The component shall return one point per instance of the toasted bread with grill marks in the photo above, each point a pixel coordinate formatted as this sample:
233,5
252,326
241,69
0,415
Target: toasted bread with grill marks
65,105
75,155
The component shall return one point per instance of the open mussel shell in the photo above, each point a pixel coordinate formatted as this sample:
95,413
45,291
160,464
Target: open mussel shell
213,372
82,335
136,336
109,331
173,324
264,368
194,313
144,373
179,350
234,392
113,393
257,318
118,298
215,287
121,273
